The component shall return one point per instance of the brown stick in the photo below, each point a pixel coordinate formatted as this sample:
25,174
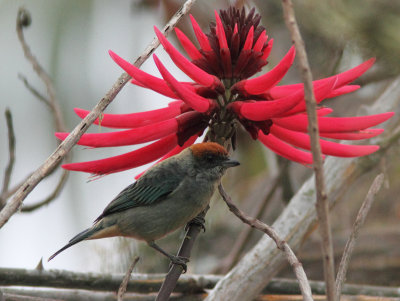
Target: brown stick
245,234
62,150
280,244
361,216
11,160
322,199
127,277
23,20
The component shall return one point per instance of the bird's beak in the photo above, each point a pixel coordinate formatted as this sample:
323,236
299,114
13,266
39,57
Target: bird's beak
230,163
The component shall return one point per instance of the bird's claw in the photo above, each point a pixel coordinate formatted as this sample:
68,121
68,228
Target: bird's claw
197,221
179,260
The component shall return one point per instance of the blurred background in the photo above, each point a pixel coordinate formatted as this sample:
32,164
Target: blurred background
70,38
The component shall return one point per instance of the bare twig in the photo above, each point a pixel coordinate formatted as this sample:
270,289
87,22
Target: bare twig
322,199
50,197
125,281
23,20
244,236
11,160
34,91
361,216
280,244
62,150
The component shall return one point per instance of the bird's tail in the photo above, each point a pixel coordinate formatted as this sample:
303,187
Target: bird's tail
78,238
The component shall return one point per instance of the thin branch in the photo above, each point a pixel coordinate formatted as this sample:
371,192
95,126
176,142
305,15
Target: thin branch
361,216
50,197
62,150
11,160
34,91
244,236
24,20
125,281
280,244
322,199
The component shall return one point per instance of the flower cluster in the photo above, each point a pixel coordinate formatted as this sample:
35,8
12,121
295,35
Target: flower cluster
222,94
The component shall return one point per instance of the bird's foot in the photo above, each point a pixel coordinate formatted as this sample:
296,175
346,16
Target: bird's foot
179,260
197,221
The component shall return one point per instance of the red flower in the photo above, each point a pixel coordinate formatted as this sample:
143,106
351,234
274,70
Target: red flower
222,94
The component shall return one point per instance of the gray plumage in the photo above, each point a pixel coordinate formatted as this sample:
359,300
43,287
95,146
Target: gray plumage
165,198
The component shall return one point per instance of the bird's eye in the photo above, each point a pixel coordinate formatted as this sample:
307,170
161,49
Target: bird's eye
209,158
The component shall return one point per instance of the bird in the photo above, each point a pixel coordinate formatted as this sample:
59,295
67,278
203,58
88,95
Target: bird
166,197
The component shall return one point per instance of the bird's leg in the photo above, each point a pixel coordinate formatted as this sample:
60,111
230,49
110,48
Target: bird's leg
174,259
198,221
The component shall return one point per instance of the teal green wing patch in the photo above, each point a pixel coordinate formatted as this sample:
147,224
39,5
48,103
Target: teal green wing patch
144,192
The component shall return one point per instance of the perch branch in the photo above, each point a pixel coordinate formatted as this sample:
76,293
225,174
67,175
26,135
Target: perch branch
62,150
361,216
11,160
280,244
322,198
185,250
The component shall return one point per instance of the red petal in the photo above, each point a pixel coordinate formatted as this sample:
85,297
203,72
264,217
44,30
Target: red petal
285,150
126,161
190,69
359,135
200,35
267,50
174,152
260,41
195,101
134,120
343,90
235,29
265,82
248,44
348,76
190,49
263,110
323,111
135,136
343,79
299,123
327,147
220,32
320,93
149,81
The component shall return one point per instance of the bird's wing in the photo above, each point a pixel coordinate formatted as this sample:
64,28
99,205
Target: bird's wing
148,190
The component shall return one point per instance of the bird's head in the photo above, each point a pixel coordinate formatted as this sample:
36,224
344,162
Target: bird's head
210,155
